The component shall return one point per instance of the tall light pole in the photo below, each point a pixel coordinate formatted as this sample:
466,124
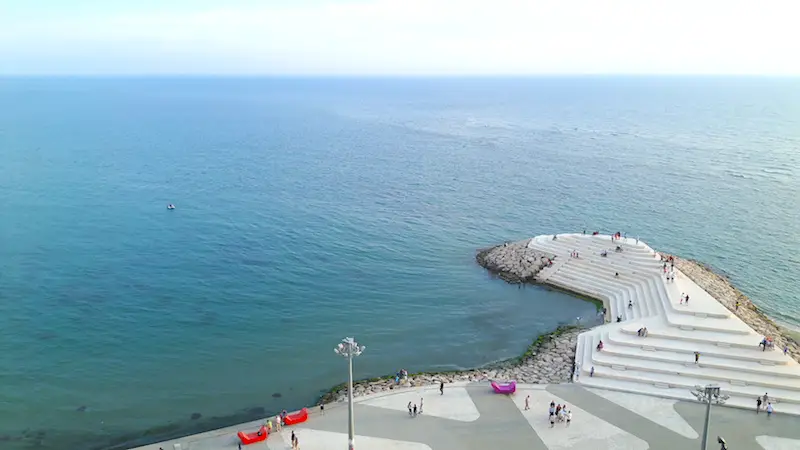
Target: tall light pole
349,349
708,394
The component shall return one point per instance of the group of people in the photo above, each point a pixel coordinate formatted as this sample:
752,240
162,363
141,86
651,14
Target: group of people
574,254
764,401
684,299
401,374
768,343
413,411
558,413
642,332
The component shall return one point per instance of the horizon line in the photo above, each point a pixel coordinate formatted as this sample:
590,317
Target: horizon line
399,75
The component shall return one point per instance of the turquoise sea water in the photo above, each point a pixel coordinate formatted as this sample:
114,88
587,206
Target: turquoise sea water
311,209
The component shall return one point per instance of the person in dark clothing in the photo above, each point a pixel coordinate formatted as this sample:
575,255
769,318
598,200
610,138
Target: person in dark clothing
758,405
441,388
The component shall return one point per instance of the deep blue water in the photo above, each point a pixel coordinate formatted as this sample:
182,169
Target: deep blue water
311,209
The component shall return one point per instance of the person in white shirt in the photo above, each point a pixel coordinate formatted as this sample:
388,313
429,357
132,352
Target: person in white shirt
569,417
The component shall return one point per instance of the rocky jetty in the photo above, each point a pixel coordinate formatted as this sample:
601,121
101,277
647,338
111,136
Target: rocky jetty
514,262
549,359
721,289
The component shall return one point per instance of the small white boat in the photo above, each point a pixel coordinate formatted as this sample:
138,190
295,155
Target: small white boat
170,206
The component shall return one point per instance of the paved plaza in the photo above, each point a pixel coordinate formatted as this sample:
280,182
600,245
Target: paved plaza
472,416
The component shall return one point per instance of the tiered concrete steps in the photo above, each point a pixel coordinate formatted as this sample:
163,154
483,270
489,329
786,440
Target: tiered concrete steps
632,285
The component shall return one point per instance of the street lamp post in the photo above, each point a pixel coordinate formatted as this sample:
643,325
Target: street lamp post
349,349
708,394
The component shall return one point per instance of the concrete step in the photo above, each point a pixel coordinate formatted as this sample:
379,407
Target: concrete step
734,401
712,361
670,332
688,382
660,345
687,368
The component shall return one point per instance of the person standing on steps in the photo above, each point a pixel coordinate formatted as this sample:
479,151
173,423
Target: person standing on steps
696,357
758,404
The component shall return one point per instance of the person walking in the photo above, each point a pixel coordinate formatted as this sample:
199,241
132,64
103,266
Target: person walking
294,440
758,404
528,401
409,409
420,405
569,417
696,357
415,410
769,410
441,388
278,423
737,305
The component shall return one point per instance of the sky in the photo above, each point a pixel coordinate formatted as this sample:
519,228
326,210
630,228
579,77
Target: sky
398,37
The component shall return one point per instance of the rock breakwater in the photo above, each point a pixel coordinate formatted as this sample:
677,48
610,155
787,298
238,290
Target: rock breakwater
549,359
514,262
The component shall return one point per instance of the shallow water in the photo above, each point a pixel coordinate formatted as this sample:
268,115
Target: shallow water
312,209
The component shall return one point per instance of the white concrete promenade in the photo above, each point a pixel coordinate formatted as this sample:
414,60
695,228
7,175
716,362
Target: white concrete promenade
632,285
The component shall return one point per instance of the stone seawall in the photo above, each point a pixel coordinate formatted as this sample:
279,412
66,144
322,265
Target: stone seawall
549,359
514,262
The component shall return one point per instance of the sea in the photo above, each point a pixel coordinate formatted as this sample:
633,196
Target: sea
313,209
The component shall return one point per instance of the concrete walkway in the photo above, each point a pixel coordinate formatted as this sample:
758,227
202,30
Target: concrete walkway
472,416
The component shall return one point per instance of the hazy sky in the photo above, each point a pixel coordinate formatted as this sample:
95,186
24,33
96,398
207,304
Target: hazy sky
399,36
